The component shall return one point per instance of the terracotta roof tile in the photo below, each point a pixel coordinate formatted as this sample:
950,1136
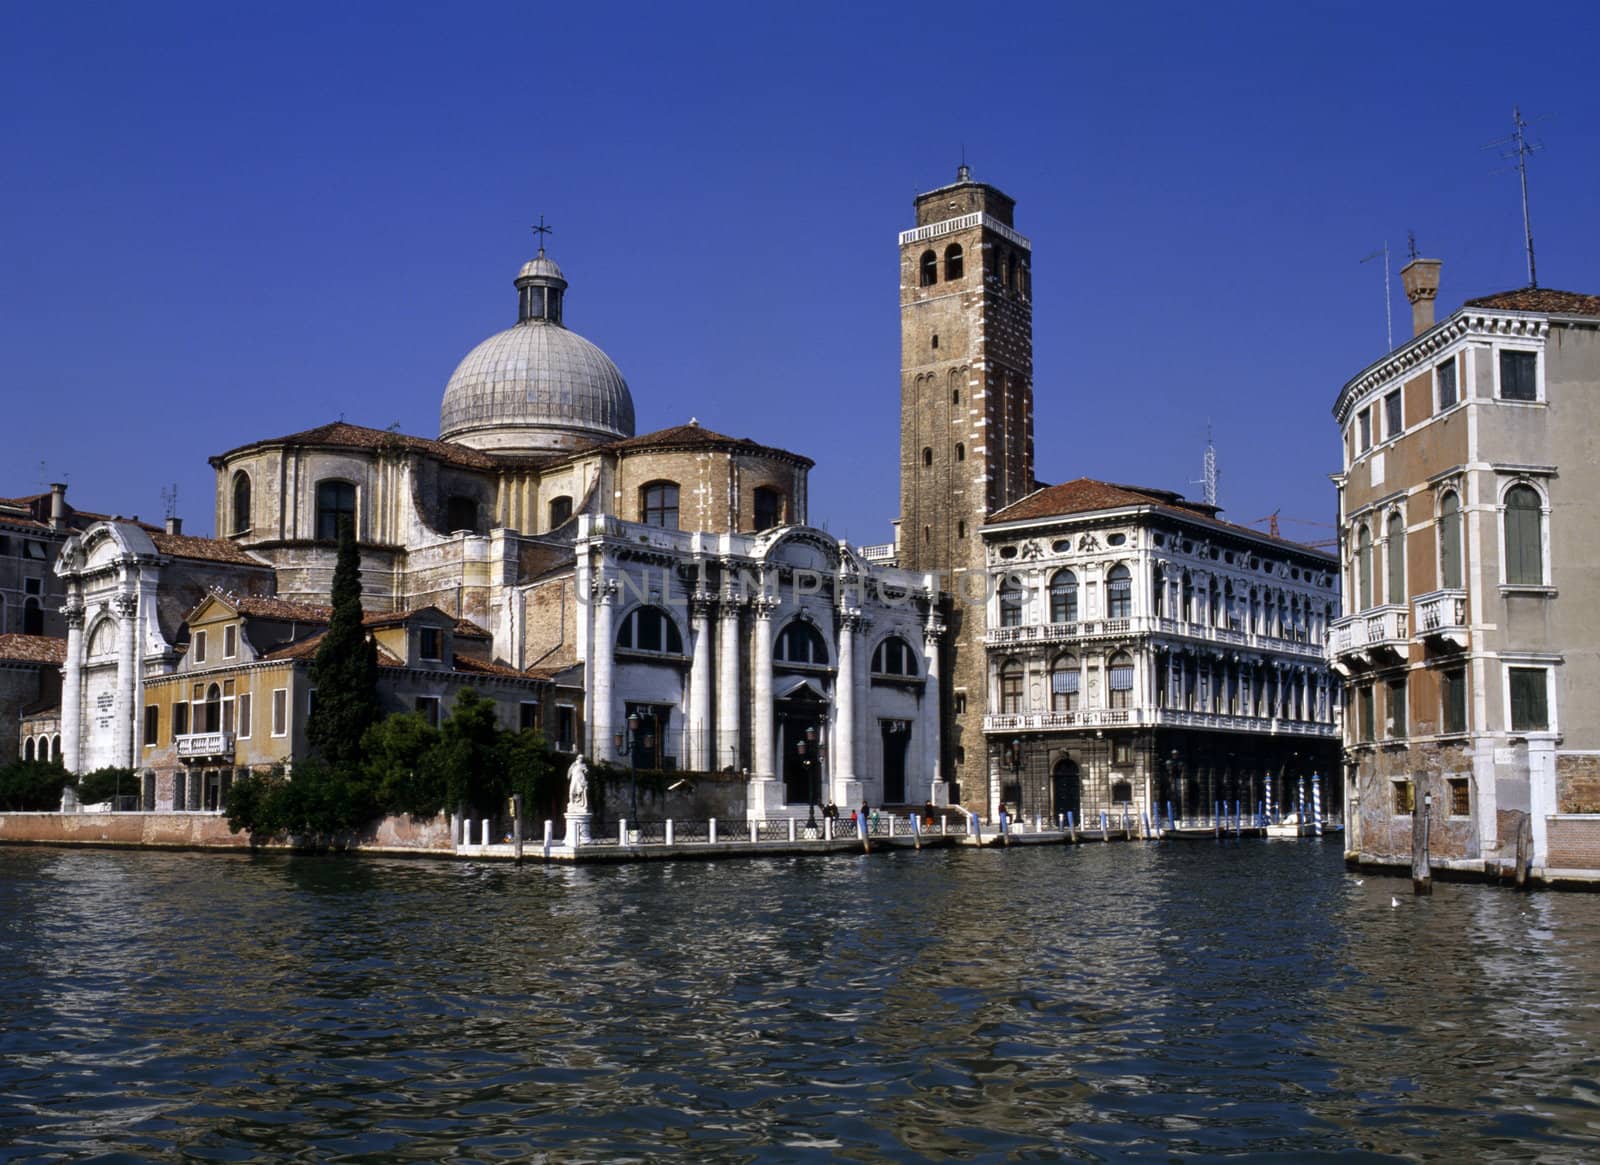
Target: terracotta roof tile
272,607
209,549
1540,299
33,649
1085,495
345,435
695,436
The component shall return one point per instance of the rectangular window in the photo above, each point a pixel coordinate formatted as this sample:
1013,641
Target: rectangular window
428,709
199,647
1529,703
32,586
152,725
1404,798
1460,797
566,726
430,643
244,715
1518,372
32,549
1011,692
280,711
1122,752
960,701
1397,710
230,641
1453,700
1364,715
1445,377
528,715
1393,416
1119,679
1364,419
180,719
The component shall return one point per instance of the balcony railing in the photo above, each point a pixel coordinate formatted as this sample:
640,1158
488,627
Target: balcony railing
1443,614
1362,638
1042,633
1166,717
205,744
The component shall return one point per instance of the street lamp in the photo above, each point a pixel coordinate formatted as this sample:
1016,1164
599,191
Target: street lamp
625,745
806,750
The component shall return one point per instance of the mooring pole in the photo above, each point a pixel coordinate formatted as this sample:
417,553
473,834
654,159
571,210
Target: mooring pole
1421,874
516,825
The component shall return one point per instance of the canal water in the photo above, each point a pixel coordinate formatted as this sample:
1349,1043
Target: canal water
1099,1003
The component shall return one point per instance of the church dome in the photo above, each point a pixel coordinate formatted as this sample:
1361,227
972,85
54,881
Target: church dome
536,387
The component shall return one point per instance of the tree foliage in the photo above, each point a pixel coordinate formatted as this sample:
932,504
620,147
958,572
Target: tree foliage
105,783
345,670
32,785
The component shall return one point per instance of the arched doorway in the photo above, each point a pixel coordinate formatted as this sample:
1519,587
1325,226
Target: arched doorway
1066,784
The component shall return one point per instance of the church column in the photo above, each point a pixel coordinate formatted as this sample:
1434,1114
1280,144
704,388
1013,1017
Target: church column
72,698
602,654
700,684
728,701
844,696
939,792
761,683
127,608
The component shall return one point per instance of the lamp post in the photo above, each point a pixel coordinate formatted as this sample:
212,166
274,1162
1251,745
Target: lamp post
1013,761
806,749
625,745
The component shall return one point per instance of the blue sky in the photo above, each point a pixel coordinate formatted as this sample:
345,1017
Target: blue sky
222,223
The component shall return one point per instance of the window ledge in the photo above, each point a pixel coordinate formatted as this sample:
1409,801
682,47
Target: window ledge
1529,589
1527,404
635,653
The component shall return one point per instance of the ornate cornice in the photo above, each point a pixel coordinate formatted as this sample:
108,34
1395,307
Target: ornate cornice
1464,325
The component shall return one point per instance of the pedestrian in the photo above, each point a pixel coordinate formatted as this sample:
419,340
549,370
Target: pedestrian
1003,818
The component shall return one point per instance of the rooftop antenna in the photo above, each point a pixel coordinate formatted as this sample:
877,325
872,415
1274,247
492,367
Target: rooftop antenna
1388,309
1210,474
43,474
540,231
169,500
1517,155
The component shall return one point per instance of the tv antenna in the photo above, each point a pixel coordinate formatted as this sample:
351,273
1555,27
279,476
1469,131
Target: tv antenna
169,500
1388,309
1517,155
1209,474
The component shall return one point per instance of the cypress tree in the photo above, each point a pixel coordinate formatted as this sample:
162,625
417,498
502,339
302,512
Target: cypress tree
345,670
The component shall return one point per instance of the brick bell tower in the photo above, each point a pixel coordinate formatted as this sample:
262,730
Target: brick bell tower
966,424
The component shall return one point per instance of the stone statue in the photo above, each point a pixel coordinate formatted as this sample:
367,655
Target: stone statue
578,786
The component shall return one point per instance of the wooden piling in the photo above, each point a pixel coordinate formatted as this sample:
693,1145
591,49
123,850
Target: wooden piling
1421,873
1524,850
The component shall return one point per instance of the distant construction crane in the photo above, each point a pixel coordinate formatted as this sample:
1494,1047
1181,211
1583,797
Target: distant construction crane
1273,530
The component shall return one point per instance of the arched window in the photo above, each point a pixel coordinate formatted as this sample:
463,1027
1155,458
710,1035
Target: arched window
1064,678
212,710
336,504
1394,535
894,657
768,507
1158,588
27,749
1063,597
952,261
1450,541
560,510
928,268
1011,272
1188,598
32,617
650,629
1524,521
800,642
1119,681
1011,601
927,456
1119,593
103,639
1011,687
961,451
658,504
1363,569
241,502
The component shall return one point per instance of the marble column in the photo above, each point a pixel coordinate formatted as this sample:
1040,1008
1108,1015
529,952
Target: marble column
932,703
72,692
728,696
844,696
602,657
761,683
700,684
127,608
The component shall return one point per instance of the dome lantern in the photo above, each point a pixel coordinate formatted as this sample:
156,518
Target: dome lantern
540,286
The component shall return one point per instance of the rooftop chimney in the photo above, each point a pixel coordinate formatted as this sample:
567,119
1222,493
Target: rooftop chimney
58,505
1421,279
174,525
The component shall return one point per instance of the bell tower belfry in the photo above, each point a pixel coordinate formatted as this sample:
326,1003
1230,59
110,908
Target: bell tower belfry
966,421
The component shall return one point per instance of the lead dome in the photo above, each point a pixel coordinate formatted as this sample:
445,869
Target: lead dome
537,386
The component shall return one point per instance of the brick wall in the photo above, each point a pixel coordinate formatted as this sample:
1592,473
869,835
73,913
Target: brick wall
1574,843
1577,784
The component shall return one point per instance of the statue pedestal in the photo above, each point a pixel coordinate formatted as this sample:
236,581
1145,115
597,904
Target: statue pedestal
577,829
763,799
940,794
